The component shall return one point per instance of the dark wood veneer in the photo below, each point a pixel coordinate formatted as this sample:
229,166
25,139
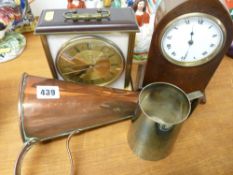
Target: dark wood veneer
187,78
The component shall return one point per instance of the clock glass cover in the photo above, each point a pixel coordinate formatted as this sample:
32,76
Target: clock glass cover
90,60
192,39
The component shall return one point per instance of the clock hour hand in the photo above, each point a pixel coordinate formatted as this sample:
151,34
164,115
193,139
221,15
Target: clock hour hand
190,42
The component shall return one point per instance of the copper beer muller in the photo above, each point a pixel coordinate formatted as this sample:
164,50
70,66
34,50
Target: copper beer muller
50,109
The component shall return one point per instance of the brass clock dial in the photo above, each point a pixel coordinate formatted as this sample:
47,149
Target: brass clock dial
90,60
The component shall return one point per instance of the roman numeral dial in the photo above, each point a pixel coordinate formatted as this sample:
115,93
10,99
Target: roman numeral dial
192,39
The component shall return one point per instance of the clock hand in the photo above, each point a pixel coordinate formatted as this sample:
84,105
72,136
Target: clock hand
190,42
80,70
186,53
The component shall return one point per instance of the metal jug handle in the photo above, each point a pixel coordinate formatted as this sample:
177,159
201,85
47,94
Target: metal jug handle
195,95
195,98
27,146
72,170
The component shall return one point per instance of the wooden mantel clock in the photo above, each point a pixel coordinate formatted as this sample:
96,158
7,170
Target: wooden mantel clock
92,46
189,41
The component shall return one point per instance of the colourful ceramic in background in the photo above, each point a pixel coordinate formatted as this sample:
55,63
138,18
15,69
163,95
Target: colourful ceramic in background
11,46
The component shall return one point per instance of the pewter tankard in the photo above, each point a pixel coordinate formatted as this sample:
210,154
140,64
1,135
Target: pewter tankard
162,108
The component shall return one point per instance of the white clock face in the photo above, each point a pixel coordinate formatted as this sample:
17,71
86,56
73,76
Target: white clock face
192,39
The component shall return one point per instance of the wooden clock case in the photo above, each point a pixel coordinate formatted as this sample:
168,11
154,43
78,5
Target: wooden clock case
187,78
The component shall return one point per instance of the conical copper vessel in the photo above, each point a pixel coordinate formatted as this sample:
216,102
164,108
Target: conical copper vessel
51,108
45,115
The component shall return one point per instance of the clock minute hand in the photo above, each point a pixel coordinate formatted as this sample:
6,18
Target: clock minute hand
186,53
86,67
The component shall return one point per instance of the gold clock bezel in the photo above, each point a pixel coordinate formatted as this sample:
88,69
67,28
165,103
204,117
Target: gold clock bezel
203,60
107,42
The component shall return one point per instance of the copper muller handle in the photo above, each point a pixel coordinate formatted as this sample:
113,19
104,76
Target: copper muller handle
75,16
26,147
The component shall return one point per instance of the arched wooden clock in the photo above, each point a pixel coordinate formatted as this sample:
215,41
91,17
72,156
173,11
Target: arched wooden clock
92,46
189,41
